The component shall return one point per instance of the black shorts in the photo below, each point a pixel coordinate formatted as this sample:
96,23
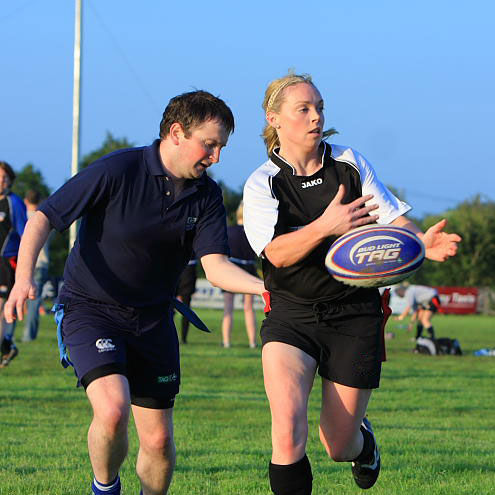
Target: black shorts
345,337
7,275
432,305
142,345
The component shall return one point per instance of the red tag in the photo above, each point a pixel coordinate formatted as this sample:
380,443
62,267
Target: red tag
386,313
266,299
13,261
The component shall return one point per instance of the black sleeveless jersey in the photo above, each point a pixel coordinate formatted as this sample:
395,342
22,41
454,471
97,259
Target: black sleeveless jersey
277,201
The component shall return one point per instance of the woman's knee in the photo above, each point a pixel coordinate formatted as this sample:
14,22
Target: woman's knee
338,447
290,437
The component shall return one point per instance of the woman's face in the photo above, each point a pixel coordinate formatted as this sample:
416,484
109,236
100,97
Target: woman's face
300,118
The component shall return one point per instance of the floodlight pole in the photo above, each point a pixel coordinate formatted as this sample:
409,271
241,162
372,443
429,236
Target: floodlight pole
76,101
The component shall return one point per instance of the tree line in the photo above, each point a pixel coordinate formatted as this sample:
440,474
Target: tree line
473,219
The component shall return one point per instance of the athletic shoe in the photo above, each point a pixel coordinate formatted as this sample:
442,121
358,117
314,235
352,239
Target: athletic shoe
365,475
7,358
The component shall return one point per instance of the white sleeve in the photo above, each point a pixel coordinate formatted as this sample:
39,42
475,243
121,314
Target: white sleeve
389,207
260,207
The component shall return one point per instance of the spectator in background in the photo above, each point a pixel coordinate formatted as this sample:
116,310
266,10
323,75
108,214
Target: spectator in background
32,200
424,302
185,289
244,257
12,221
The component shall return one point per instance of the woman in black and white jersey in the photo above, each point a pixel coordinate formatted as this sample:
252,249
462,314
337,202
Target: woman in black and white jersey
295,205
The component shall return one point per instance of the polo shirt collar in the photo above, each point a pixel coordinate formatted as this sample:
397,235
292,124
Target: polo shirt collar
155,167
152,159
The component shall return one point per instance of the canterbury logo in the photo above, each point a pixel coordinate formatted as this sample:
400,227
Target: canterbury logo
105,345
311,183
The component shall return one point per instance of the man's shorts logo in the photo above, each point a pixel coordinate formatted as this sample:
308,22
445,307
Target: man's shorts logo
105,345
168,378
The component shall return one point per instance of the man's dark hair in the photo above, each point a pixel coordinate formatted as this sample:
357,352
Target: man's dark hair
32,197
8,170
193,109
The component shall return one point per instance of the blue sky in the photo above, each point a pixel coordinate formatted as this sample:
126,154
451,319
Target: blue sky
408,84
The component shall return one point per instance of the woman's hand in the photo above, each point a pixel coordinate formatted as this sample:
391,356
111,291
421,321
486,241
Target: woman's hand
439,245
339,218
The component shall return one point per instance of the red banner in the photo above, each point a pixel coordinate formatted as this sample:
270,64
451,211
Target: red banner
459,300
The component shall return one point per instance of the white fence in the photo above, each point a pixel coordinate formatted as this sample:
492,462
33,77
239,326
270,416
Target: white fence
207,296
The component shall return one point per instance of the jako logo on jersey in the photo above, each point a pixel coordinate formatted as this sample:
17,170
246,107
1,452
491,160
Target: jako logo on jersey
105,345
311,183
376,253
191,222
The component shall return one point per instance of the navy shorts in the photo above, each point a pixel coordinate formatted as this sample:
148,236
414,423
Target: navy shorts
344,337
140,344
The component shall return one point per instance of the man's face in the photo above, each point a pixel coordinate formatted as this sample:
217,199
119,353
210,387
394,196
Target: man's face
4,182
201,149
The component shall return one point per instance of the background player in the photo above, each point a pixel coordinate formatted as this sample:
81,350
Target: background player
424,302
185,291
12,222
244,257
295,205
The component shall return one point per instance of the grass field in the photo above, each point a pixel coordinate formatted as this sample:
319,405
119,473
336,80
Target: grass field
434,418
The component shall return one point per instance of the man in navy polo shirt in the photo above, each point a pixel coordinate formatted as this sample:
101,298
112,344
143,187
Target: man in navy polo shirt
144,211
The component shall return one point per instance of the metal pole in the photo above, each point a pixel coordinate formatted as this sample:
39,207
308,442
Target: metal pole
76,100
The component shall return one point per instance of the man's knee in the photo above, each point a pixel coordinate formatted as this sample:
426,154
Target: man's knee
158,443
114,418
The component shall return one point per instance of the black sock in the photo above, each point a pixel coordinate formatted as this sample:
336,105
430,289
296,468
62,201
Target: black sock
7,344
419,330
184,329
291,479
431,332
368,447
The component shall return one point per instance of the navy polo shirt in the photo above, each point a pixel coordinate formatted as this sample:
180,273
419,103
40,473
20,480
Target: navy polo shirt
135,236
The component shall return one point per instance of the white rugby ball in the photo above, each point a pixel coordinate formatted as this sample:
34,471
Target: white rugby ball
375,256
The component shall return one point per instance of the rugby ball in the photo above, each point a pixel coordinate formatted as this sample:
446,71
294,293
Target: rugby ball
375,256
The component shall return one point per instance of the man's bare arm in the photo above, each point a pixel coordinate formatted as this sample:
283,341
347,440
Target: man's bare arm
220,272
35,235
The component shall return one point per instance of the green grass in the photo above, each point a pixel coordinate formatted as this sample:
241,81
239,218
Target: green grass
434,417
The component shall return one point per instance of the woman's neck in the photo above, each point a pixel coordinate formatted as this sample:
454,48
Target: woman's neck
305,162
